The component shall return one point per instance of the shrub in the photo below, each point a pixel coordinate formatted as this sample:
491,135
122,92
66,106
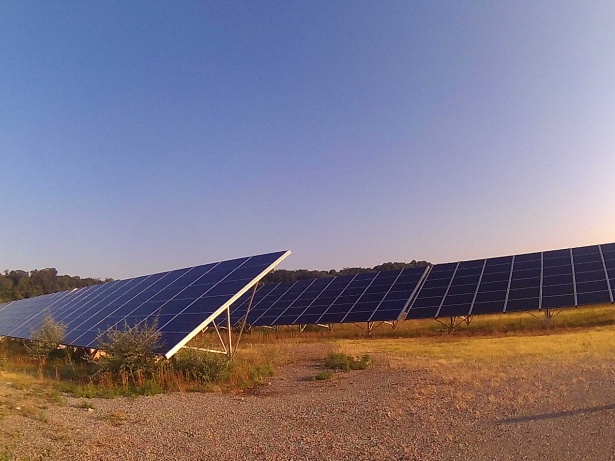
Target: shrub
202,367
323,375
345,362
130,353
46,339
86,405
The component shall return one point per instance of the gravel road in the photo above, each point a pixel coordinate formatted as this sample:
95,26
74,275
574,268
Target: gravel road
541,412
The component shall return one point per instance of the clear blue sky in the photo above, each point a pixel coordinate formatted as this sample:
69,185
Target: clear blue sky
142,136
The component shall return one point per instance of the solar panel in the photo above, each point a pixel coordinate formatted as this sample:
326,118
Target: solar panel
462,290
558,288
525,283
548,280
429,299
493,286
608,254
366,297
592,283
182,301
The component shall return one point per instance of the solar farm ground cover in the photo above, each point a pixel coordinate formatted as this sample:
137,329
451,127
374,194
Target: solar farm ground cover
460,396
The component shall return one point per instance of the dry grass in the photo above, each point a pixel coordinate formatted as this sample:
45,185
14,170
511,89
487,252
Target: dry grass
552,346
500,370
27,396
484,325
488,352
490,346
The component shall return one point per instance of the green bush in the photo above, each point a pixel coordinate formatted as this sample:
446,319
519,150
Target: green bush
46,339
202,367
345,362
130,353
323,375
86,405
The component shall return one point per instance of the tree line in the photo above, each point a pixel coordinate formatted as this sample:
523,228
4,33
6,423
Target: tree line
19,284
284,275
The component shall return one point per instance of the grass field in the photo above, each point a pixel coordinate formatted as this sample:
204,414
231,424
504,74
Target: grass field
489,346
487,342
508,361
522,324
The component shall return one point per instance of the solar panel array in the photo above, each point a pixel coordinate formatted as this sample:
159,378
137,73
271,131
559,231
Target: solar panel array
545,280
366,297
182,302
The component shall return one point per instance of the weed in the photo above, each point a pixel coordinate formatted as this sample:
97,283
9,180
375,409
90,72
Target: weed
117,418
55,397
323,375
345,362
201,367
251,367
41,416
85,404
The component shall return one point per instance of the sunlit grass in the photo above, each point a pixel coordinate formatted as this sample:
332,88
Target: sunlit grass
583,335
522,323
491,347
569,345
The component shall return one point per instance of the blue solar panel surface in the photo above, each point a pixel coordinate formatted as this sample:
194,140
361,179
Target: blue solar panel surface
427,303
493,285
524,292
367,297
182,302
186,300
548,280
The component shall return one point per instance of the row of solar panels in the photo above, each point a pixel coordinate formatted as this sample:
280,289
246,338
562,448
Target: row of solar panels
181,302
550,279
375,296
185,301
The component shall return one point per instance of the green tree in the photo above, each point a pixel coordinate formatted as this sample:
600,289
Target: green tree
6,289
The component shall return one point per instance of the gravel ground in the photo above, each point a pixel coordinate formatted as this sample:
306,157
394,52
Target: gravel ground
539,412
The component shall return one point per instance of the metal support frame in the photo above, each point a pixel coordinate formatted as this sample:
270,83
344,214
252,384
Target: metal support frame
574,279
548,315
454,322
393,323
227,347
371,326
328,326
